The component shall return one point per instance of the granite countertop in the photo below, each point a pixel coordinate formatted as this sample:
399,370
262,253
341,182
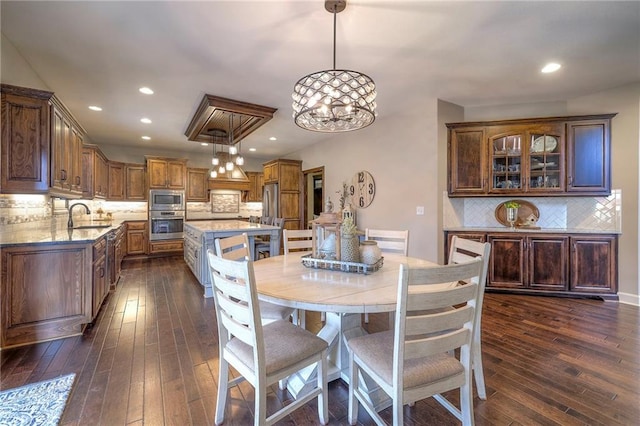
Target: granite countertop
56,232
226,225
526,230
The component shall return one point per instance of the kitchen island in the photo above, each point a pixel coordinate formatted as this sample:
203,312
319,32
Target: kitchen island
199,236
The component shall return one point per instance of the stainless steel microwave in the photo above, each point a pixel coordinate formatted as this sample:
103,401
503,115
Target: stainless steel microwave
166,199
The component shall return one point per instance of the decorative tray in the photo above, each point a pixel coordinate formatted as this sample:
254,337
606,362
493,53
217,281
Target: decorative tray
525,210
338,265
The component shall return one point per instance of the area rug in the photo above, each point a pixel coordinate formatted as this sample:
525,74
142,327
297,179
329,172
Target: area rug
39,403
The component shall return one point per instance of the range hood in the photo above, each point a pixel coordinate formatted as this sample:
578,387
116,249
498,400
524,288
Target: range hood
235,179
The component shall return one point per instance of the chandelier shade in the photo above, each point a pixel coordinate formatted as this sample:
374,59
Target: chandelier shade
334,100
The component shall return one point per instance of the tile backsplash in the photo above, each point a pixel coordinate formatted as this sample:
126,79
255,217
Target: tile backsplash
601,214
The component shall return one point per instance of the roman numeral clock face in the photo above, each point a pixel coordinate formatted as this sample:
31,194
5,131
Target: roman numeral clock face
362,189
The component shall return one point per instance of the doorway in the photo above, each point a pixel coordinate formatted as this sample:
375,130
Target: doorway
313,193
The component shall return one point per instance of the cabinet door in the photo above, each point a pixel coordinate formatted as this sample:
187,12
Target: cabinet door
548,263
137,239
593,264
25,145
77,140
157,170
506,163
467,161
176,174
507,266
589,152
197,184
259,186
545,162
88,173
102,176
100,286
135,182
116,181
60,152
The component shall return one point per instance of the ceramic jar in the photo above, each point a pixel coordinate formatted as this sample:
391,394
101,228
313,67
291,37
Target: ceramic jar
349,248
369,252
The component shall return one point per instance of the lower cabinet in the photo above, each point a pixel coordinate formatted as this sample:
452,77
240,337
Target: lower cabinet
137,238
166,246
100,278
46,292
582,265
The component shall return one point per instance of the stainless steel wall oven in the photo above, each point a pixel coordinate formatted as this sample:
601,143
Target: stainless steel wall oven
166,225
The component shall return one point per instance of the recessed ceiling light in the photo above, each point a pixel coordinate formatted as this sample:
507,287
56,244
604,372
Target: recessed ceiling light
273,138
145,120
146,138
95,108
551,67
146,91
252,149
204,144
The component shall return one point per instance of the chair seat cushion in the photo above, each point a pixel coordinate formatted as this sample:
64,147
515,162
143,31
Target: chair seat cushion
284,345
376,350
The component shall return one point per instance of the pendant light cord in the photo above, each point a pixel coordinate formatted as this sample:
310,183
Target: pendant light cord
334,36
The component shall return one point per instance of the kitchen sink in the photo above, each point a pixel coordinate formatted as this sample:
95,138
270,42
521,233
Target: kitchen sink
92,226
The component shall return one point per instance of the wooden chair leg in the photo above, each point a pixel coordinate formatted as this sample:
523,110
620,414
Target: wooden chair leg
223,391
353,384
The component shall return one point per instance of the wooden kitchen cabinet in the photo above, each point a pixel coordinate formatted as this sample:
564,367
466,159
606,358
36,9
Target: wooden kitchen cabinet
594,266
100,277
66,152
116,251
553,156
166,173
197,184
589,156
95,173
256,182
24,144
580,265
135,182
166,246
45,293
467,161
288,175
137,239
115,181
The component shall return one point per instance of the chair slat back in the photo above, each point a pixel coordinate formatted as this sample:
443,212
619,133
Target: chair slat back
266,220
235,247
236,300
297,240
435,321
389,241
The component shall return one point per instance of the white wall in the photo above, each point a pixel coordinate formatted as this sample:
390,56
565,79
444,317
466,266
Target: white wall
15,69
401,153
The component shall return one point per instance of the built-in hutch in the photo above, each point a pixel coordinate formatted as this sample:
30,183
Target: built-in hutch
538,157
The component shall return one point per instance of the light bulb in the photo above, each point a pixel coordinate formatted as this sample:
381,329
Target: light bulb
229,165
233,150
213,174
239,160
215,161
222,170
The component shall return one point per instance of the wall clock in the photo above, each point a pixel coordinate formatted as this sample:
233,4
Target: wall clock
362,189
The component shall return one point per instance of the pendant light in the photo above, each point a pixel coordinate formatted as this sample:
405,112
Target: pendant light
334,100
240,158
229,165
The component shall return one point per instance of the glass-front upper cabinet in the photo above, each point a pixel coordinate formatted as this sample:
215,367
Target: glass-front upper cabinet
545,162
507,163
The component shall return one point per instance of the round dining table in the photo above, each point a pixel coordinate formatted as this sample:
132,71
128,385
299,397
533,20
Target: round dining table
343,296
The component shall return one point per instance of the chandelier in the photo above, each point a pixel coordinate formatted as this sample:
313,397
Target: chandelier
334,100
222,162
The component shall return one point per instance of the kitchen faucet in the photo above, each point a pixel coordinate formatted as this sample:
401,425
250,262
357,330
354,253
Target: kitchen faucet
70,221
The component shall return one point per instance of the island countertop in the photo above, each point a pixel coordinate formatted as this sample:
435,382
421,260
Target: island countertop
227,225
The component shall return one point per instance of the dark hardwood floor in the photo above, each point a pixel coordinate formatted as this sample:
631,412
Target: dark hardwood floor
152,358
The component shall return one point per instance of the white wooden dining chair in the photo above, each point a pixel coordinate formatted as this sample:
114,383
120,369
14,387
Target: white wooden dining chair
261,354
236,247
416,359
298,240
263,245
463,250
389,241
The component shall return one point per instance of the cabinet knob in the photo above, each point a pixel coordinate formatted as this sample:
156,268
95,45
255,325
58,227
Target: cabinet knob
77,180
63,174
